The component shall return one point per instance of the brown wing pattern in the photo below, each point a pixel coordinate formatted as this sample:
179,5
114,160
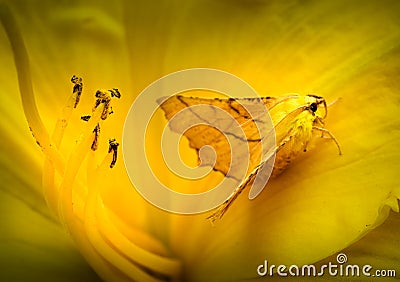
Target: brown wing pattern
202,135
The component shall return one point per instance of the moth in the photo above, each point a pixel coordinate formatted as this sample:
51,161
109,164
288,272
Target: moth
296,119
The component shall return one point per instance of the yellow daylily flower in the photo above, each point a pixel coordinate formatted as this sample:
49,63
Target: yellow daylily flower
322,204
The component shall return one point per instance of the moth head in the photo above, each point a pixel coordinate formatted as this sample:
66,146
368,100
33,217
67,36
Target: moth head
315,103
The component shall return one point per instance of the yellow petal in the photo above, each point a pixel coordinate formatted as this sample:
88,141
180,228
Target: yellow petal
32,244
376,250
323,202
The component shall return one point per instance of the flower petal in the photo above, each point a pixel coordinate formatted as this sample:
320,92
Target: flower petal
323,202
32,244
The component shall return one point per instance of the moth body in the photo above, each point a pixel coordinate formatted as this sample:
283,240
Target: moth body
297,136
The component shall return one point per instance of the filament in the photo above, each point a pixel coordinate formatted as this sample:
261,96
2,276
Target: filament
22,65
128,257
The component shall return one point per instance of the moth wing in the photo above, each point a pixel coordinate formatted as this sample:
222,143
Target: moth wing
254,127
285,125
260,177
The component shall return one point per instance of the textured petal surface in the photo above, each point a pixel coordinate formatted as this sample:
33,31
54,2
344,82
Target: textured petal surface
323,202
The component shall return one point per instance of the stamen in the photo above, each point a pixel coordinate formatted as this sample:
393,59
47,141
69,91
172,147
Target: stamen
95,143
132,260
115,93
103,98
77,81
39,132
114,255
75,160
113,147
85,118
22,65
49,188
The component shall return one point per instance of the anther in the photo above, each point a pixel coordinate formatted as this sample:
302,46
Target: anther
113,147
78,86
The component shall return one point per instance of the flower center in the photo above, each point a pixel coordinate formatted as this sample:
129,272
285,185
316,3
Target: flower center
116,251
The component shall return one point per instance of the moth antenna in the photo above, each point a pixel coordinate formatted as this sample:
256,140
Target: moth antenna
334,102
326,109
